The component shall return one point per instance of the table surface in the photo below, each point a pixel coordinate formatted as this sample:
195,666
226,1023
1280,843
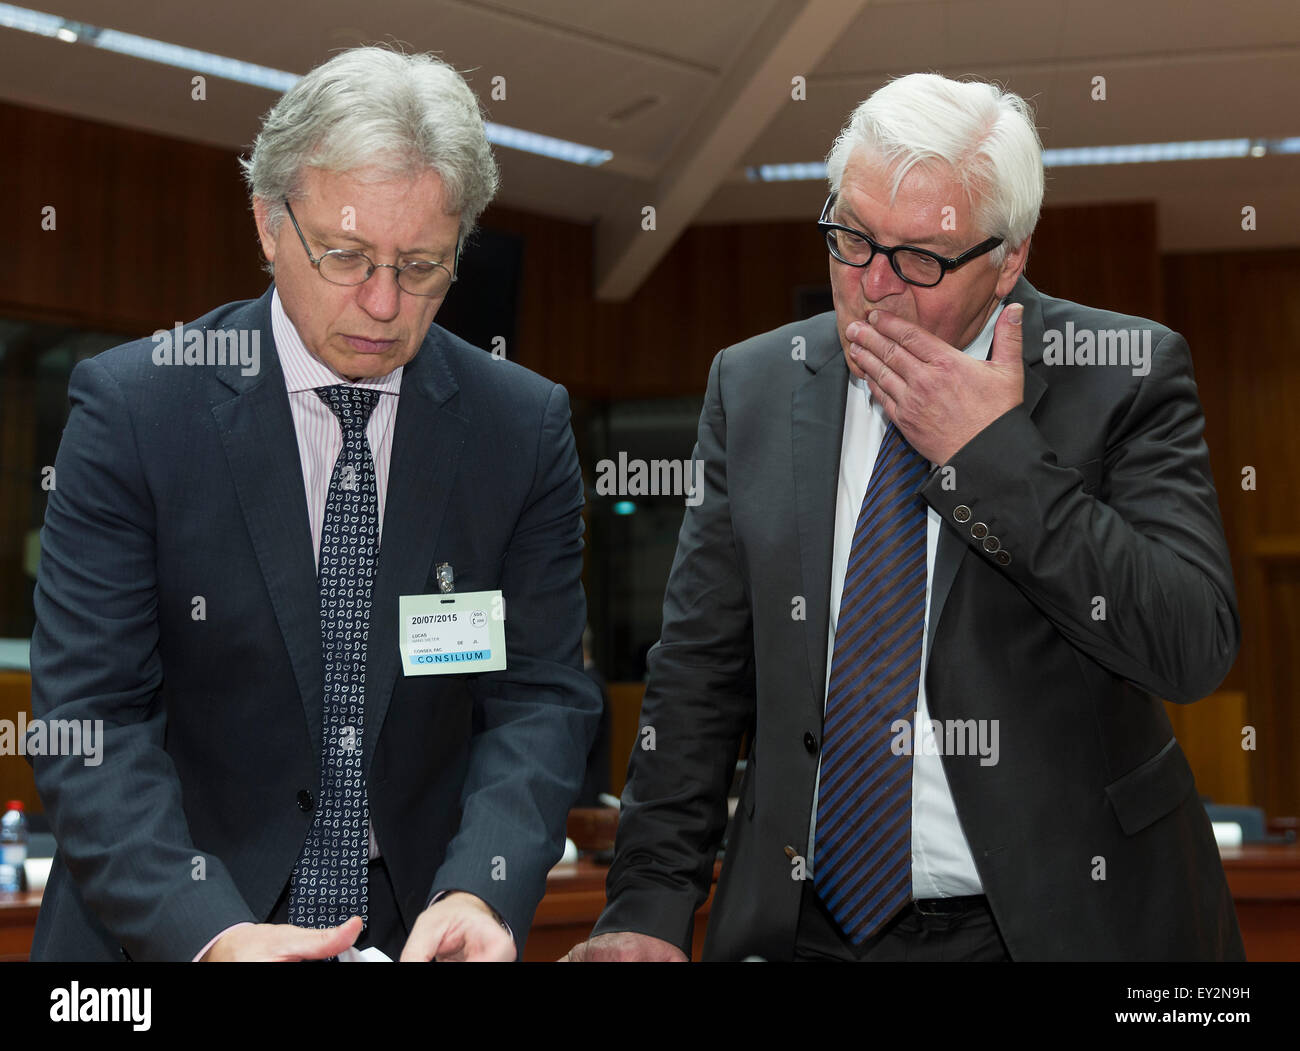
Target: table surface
1260,876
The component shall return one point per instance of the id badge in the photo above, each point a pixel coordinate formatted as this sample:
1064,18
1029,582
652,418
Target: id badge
452,634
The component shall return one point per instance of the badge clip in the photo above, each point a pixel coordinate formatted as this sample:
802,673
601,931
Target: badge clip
446,578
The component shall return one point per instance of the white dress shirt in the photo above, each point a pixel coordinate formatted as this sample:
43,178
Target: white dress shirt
942,865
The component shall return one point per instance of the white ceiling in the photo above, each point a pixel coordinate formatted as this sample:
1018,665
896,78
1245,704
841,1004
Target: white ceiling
712,80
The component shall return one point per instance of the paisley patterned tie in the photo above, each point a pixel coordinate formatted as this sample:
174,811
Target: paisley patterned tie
329,881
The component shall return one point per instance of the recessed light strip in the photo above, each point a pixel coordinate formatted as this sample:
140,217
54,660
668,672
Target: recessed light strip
1077,156
150,50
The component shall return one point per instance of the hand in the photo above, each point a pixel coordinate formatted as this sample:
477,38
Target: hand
459,927
939,397
624,947
279,942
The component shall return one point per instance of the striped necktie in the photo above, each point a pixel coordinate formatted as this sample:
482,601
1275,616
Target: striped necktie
864,803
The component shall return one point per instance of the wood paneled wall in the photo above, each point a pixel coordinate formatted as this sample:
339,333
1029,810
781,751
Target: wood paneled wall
148,231
720,284
151,231
1240,312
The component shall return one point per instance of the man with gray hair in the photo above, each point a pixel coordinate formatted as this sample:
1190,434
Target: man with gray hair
942,581
325,598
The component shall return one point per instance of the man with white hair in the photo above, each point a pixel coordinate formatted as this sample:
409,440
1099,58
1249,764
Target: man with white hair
944,570
251,562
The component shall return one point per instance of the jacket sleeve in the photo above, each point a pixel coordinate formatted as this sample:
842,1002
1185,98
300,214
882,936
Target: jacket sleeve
1137,577
534,721
117,817
699,700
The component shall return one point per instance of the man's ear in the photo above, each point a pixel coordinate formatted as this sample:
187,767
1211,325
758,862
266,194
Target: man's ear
260,213
1013,265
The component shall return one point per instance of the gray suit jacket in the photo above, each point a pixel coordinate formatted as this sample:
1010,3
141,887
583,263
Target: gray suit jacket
1097,485
174,482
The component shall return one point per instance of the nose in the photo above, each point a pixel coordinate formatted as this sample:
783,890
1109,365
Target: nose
380,297
879,279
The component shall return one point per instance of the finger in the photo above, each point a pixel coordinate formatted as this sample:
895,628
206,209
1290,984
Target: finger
481,939
883,348
451,948
489,943
855,362
422,943
306,944
494,951
1008,337
882,375
887,404
915,341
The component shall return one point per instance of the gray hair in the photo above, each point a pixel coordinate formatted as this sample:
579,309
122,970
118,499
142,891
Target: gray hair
983,134
376,107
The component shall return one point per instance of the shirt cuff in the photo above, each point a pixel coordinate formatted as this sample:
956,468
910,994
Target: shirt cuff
210,944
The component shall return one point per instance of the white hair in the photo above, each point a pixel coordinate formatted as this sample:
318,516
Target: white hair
376,107
984,136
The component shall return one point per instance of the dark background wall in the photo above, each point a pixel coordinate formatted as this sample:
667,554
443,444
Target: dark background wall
151,231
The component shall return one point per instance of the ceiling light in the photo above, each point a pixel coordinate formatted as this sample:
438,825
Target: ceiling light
150,50
1078,156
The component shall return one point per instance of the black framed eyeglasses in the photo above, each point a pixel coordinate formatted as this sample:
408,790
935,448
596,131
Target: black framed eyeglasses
916,266
347,266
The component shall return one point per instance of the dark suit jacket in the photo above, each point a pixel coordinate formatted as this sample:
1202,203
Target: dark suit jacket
1098,484
174,482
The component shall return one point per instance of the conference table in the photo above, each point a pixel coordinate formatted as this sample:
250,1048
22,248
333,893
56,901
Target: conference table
1264,880
575,894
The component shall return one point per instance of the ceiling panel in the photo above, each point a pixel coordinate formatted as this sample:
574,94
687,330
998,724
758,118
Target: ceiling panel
705,33
557,82
979,33
1175,69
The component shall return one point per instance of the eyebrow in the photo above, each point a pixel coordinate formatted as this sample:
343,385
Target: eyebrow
944,243
343,235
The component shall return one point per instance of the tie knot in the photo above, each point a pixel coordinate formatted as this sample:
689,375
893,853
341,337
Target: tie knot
352,405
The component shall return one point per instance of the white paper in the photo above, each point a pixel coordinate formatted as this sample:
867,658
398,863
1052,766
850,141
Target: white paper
371,955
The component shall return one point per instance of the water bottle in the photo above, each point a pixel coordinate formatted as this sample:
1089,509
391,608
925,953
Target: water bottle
13,848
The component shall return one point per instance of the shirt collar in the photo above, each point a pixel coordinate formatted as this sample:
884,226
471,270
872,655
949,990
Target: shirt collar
303,370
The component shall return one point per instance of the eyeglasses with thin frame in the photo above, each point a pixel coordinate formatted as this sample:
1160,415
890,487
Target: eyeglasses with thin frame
916,266
347,266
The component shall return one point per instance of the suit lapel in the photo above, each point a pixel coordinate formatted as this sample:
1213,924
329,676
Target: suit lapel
257,430
428,439
951,549
817,431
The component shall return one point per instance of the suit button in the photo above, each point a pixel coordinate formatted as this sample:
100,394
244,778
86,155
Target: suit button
961,513
1003,558
979,530
791,853
810,742
305,801
991,544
